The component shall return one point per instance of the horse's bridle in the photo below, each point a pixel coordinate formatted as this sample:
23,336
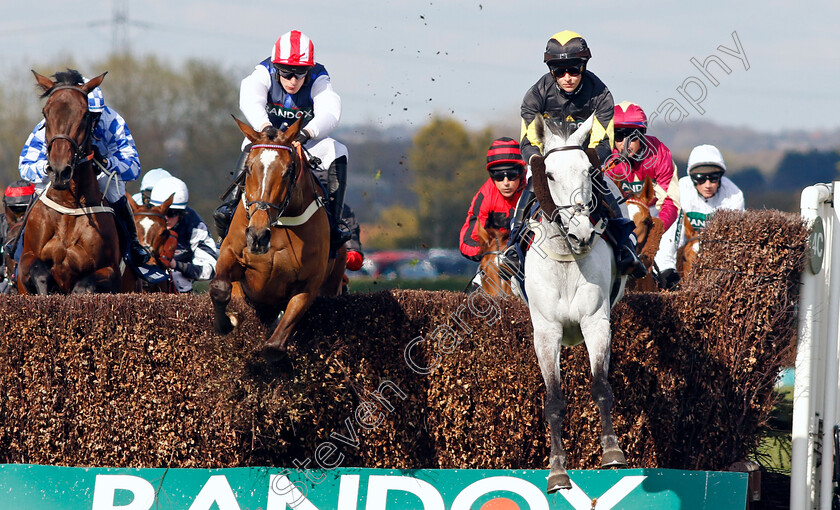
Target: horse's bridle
78,148
553,215
290,188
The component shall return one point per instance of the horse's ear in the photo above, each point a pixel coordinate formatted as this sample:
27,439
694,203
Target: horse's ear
647,193
166,203
483,235
43,82
291,132
92,84
247,130
134,205
539,128
582,132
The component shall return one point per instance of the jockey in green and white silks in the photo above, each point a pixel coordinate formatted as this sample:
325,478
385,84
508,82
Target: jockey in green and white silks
703,191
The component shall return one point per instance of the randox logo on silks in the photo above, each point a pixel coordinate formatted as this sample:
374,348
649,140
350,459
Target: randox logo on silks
633,188
58,488
698,220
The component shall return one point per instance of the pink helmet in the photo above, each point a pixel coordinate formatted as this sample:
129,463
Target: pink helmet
293,49
629,115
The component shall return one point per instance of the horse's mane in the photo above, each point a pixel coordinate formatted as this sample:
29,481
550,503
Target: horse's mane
68,77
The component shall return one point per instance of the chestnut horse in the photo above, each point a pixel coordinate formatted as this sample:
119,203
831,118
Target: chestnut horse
158,240
493,242
70,243
278,245
687,253
649,231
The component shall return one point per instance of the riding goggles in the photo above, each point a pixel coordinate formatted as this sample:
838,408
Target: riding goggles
292,72
622,133
701,178
561,71
500,175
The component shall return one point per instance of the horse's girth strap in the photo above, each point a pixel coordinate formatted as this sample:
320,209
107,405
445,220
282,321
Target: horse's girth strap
294,221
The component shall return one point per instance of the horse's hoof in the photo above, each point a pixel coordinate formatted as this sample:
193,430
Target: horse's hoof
223,327
558,481
274,353
613,458
234,319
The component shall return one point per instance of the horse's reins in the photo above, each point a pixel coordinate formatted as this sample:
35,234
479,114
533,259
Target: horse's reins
293,177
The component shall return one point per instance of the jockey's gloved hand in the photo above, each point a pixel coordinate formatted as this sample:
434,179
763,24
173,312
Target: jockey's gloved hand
302,137
99,159
354,260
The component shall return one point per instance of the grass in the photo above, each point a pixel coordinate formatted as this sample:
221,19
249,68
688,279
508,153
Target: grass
775,449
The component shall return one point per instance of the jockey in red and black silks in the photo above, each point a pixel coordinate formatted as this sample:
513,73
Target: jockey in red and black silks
492,206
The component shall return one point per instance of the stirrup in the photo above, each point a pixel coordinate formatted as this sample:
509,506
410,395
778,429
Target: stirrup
138,255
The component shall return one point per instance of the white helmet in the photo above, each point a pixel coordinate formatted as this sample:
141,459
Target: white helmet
152,177
168,187
705,155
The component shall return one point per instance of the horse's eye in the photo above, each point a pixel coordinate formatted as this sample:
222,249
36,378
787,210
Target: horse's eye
550,176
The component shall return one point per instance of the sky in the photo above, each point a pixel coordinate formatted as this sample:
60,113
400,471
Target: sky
400,62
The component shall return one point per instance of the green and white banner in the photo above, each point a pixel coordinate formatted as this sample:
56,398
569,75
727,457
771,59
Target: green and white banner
24,487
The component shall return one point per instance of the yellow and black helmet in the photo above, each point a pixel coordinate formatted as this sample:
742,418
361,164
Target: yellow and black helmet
566,48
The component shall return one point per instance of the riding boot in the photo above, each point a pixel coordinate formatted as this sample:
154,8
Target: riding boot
223,214
510,257
337,178
137,254
624,244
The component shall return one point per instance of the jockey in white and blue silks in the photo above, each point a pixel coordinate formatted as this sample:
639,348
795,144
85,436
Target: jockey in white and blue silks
148,182
286,87
196,253
114,149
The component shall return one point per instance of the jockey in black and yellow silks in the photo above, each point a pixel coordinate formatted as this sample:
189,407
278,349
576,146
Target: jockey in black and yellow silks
569,94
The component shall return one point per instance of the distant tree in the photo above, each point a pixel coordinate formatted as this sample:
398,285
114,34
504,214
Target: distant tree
398,227
448,166
180,118
798,170
749,179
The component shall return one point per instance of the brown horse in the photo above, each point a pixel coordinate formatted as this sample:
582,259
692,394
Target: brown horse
493,242
70,243
687,253
649,231
158,240
277,248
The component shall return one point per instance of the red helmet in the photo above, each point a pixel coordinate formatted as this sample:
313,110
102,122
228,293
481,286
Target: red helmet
504,153
629,115
18,194
293,49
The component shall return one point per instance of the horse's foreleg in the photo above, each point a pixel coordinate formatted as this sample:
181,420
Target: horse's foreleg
220,290
547,345
297,306
106,279
227,271
33,276
596,333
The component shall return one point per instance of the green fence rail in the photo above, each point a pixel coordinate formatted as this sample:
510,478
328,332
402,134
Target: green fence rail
24,486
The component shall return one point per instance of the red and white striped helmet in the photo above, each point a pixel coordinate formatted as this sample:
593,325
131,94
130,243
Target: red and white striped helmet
293,49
